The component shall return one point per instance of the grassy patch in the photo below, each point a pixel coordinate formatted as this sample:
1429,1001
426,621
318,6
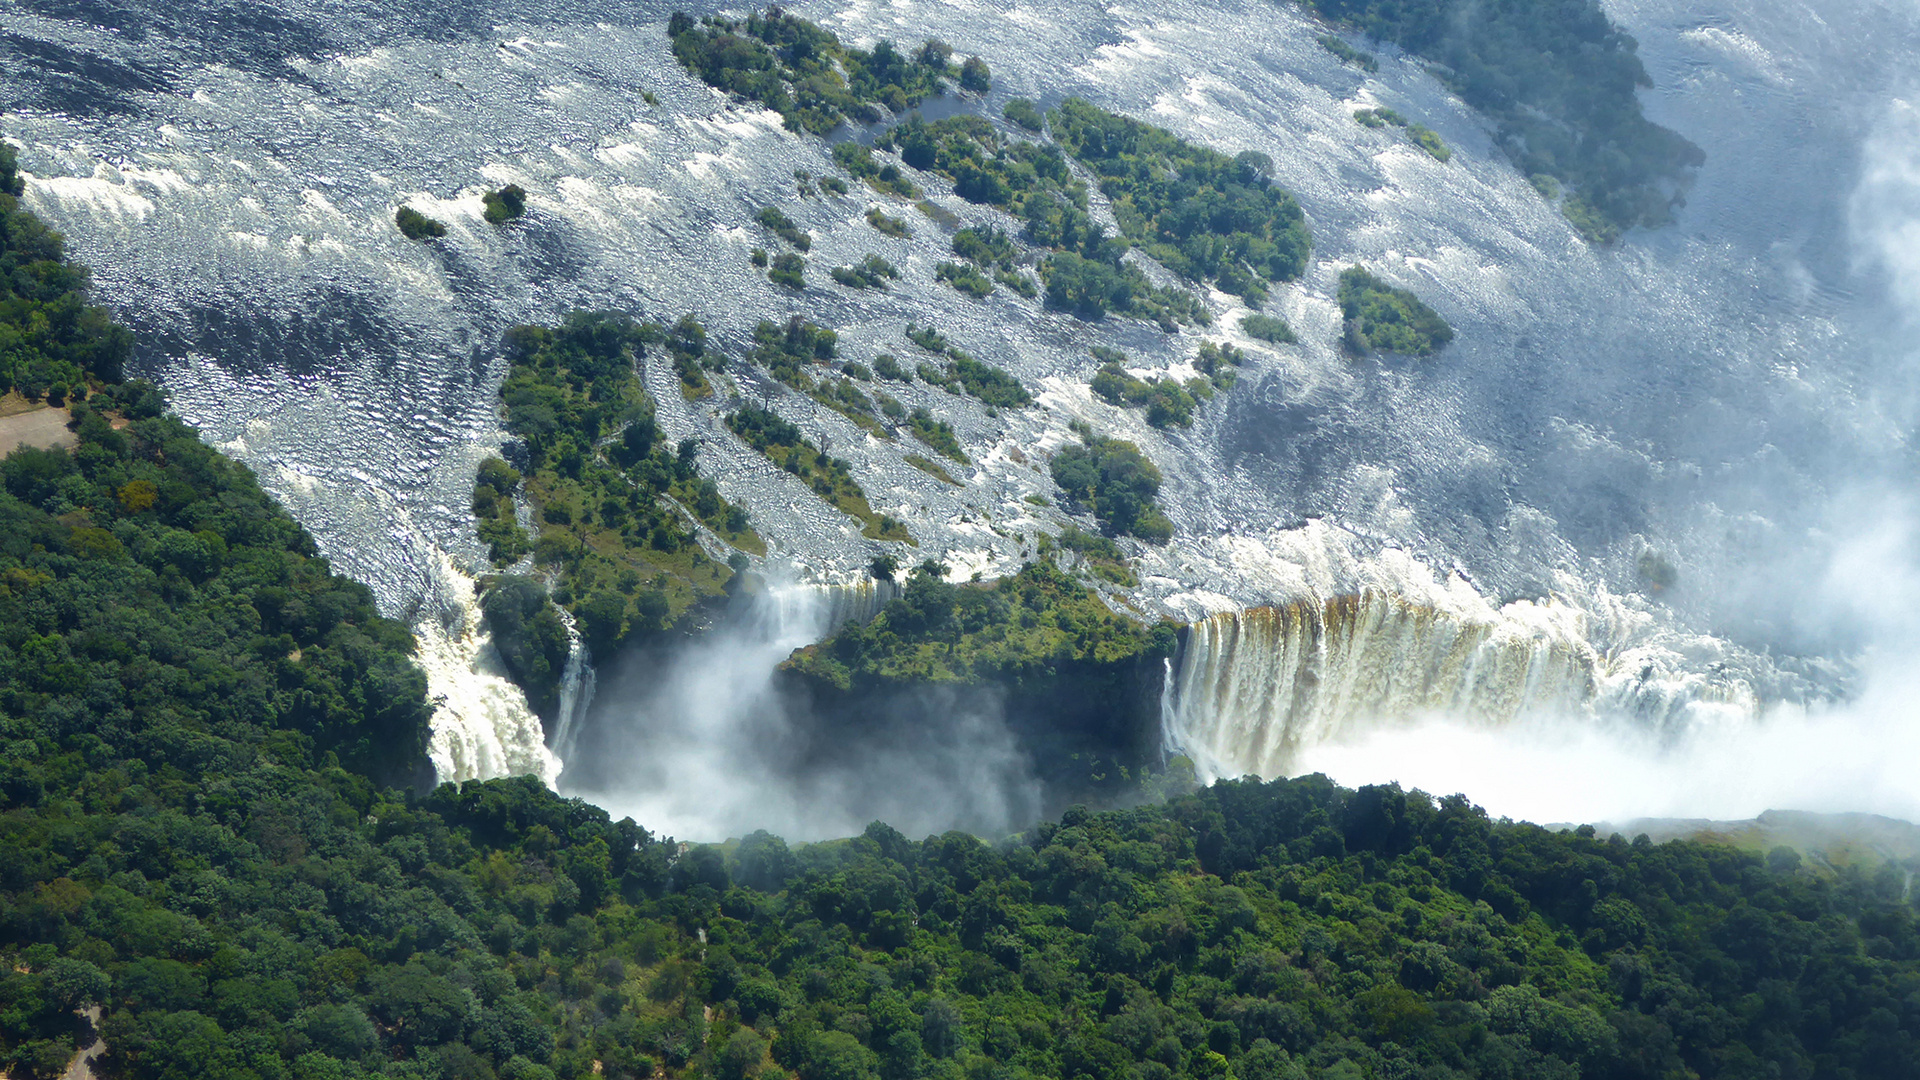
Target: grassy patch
886,223
937,434
931,467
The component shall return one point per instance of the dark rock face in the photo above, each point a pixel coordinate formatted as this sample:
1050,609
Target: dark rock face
1077,729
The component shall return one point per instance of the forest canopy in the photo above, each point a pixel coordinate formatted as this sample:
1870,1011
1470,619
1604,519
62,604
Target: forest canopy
803,72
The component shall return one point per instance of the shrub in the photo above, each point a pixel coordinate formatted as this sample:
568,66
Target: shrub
789,270
1267,328
1024,113
892,226
415,225
505,205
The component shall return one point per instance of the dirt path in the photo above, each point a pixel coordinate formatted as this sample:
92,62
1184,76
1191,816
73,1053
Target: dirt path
81,1067
42,427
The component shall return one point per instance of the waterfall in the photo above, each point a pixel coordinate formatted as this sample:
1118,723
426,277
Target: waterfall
577,683
482,727
699,741
787,609
1256,687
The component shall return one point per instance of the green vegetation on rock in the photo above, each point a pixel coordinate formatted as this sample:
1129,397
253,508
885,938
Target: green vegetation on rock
892,226
505,205
963,374
829,477
415,225
1024,113
937,434
801,350
1382,318
1422,136
965,277
931,467
804,73
1017,630
1218,363
1032,181
1267,328
986,246
610,503
873,272
1199,213
788,269
1168,403
1102,555
1090,288
782,226
885,178
1113,479
1559,81
1347,53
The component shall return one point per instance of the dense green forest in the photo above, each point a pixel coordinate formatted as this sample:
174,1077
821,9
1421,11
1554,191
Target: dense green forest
1198,212
804,73
51,339
615,511
1558,80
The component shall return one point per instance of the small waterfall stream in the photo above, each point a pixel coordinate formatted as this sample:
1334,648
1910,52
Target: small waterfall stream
577,685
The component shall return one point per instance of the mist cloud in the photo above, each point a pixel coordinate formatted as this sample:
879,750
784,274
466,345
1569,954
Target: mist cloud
703,744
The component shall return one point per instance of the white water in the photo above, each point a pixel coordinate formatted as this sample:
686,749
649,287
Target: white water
482,727
1257,687
703,745
1701,390
577,685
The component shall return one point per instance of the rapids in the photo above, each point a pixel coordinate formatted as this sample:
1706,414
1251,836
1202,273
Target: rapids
1706,393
